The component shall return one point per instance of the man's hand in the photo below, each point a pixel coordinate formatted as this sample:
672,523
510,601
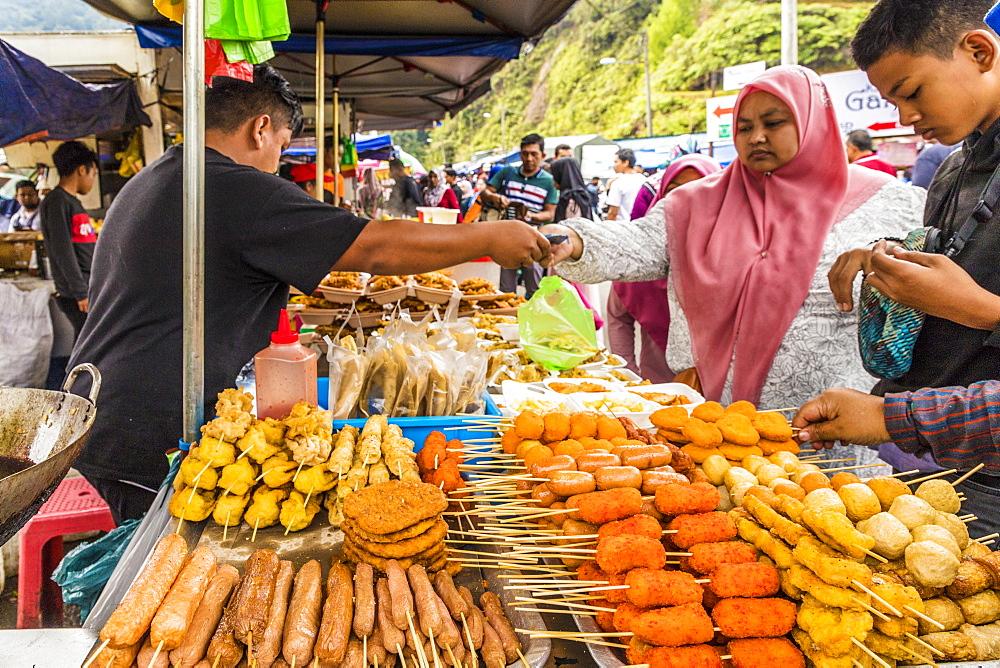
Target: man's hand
934,284
841,276
515,244
83,305
571,250
842,415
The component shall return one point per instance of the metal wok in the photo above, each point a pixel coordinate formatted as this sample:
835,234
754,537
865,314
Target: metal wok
48,429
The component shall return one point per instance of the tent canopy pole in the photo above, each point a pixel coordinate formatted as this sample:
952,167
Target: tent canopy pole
194,218
320,97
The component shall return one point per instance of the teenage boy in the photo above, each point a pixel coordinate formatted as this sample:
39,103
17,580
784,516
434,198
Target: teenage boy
526,193
940,64
262,234
67,230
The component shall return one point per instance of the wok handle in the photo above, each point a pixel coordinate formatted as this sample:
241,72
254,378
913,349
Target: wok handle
95,386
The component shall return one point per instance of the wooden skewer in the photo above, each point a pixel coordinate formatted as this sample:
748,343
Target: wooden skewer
225,527
931,476
924,617
878,598
967,474
873,555
969,518
896,475
870,609
780,410
256,524
419,646
294,659
96,653
917,640
988,542
524,662
296,476
578,590
820,460
219,656
588,641
982,538
553,611
180,523
873,655
922,658
851,468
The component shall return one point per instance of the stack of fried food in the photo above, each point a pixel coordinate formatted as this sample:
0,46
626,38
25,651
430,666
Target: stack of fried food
397,520
383,283
477,286
265,472
344,280
734,432
506,300
436,280
439,462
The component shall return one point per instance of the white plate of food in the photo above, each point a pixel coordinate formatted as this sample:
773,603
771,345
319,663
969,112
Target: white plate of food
669,394
519,397
581,386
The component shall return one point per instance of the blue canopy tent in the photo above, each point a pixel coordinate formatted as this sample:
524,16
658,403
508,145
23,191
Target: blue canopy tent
37,102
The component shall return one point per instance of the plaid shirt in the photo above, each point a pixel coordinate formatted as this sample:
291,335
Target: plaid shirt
960,426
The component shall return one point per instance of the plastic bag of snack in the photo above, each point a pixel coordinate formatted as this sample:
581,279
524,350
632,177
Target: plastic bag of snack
556,329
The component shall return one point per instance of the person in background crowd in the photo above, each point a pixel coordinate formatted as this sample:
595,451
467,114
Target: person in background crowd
645,304
451,178
928,162
331,165
69,234
563,151
861,151
468,195
436,193
304,176
405,196
371,197
262,234
595,190
750,305
939,62
523,193
26,218
622,193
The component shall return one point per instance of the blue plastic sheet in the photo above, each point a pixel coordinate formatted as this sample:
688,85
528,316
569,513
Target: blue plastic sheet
38,101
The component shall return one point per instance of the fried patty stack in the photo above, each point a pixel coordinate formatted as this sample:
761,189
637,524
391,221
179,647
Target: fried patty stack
398,520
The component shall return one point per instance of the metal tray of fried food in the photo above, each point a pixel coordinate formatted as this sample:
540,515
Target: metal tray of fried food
319,541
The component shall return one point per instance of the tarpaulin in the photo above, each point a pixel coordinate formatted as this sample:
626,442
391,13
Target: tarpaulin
506,48
37,101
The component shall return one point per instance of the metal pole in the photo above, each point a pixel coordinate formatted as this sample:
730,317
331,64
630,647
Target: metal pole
320,98
649,88
336,134
194,218
789,32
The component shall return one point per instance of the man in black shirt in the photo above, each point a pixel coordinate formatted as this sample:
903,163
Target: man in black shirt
262,234
405,196
69,235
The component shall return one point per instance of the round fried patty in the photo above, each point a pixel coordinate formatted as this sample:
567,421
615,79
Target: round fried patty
432,562
409,532
393,506
402,548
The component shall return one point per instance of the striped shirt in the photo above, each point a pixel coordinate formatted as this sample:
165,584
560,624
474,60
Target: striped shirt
960,426
533,191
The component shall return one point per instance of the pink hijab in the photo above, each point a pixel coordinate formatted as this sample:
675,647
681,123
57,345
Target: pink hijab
647,301
744,246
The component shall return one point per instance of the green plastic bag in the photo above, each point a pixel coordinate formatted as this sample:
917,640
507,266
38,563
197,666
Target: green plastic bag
247,20
557,330
252,52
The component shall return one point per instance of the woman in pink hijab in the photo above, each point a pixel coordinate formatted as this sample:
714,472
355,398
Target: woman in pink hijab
747,249
645,304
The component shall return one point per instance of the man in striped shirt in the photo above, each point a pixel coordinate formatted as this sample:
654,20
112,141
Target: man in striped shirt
525,193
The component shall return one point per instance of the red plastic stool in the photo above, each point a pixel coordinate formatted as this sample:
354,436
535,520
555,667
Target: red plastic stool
74,507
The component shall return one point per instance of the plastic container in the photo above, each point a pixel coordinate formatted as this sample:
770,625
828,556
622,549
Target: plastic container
285,373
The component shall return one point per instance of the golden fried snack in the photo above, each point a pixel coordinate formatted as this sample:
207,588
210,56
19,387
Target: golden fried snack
887,489
315,480
940,495
744,408
529,425
278,471
939,535
930,564
672,436
409,532
229,509
582,425
699,454
890,535
772,426
194,472
737,429
838,480
394,505
407,547
264,510
859,500
832,628
944,611
296,514
957,527
827,594
788,531
837,531
609,428
710,411
255,440
671,418
192,504
274,431
830,566
557,427
702,434
752,532
238,477
954,645
220,453
737,453
769,447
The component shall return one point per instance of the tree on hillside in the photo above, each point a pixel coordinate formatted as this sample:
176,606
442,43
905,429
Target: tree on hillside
53,16
675,17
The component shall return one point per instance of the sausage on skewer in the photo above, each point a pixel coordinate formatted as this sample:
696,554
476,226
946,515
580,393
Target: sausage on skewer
302,619
206,618
267,649
338,613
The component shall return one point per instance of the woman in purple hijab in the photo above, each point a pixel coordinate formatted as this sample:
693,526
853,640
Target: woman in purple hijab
646,303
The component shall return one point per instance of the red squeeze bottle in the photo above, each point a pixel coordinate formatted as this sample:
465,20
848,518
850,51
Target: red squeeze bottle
285,373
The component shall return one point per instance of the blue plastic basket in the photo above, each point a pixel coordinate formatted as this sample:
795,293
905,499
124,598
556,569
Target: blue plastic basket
417,429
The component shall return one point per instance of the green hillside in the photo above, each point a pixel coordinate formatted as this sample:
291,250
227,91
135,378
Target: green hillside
560,88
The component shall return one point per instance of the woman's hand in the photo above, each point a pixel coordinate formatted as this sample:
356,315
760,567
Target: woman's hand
846,269
572,250
514,244
845,415
934,284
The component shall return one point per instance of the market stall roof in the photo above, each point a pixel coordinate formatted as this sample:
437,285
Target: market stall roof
38,101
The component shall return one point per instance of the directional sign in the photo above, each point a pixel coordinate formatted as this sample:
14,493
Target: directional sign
859,105
719,112
738,76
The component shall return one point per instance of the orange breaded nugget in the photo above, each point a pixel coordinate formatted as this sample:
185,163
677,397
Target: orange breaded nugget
601,444
582,425
618,554
698,454
671,418
738,453
686,624
509,441
656,589
556,427
770,447
637,525
674,499
609,428
624,615
619,441
701,433
536,454
567,447
710,411
435,437
742,408
524,446
772,426
588,441
673,436
589,571
615,596
529,425
737,429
